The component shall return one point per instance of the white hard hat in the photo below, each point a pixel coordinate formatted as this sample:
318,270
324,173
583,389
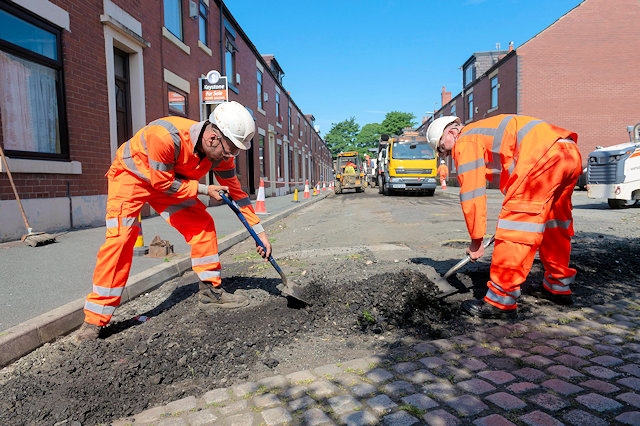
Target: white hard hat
441,161
235,122
436,128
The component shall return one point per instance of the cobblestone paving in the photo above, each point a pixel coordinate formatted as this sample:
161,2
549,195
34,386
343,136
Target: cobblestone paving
579,369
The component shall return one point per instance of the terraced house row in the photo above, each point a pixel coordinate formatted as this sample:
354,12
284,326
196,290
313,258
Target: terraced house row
80,77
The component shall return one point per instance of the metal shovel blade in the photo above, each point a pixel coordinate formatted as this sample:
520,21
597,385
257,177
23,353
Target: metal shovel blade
443,285
289,291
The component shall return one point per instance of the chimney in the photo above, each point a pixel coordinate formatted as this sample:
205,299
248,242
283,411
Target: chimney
446,96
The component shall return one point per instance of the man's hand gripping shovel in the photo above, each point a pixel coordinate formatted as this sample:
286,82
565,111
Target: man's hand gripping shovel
289,291
443,285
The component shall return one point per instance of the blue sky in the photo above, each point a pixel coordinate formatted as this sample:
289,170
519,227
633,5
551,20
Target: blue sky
365,58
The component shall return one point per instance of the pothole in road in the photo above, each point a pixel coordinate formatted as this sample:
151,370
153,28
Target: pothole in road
340,251
456,244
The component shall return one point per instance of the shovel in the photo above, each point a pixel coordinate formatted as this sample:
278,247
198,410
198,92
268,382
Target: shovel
442,283
290,292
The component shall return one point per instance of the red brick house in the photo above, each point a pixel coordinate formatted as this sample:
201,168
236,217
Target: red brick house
79,77
580,73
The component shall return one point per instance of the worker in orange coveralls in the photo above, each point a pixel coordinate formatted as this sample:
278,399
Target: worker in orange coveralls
350,168
162,165
443,172
539,165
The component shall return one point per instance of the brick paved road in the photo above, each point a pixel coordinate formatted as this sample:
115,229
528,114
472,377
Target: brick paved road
580,369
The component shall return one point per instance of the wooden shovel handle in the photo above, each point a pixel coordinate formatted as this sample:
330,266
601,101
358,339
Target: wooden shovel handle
15,191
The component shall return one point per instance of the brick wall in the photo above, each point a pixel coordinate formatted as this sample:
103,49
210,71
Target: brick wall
86,94
582,72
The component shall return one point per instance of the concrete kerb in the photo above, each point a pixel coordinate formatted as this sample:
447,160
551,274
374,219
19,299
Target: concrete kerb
30,335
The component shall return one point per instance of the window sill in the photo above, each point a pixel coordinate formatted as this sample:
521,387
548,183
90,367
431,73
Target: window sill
175,40
19,165
205,48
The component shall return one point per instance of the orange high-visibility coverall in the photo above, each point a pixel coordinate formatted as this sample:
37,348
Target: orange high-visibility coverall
443,171
539,165
159,166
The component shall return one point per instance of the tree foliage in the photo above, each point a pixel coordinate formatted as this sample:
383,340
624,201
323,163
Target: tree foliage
369,136
394,122
342,136
347,135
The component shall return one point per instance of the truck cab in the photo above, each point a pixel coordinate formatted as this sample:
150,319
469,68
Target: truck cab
406,163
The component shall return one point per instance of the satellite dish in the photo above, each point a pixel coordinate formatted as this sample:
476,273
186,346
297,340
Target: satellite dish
213,76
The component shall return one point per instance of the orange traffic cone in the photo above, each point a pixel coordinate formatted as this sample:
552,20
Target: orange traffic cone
443,182
306,189
139,249
260,207
324,186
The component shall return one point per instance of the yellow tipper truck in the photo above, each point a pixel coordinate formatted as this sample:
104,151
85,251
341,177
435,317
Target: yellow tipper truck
406,163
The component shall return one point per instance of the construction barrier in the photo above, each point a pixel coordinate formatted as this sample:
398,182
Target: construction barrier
139,249
261,207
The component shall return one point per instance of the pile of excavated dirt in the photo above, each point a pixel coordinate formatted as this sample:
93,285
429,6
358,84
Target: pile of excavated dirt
160,347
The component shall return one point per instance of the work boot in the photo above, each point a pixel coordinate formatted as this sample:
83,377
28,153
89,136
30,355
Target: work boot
211,297
481,309
87,332
558,299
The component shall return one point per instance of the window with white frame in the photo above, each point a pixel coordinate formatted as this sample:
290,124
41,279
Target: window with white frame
203,23
260,89
469,74
230,50
31,90
173,17
494,91
278,111
177,101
